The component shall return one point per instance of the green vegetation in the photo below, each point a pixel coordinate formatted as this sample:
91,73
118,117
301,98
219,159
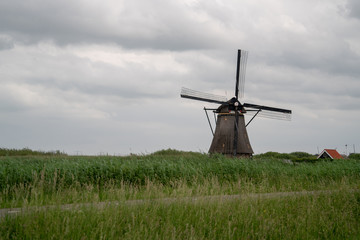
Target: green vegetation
26,152
354,156
308,217
294,156
41,180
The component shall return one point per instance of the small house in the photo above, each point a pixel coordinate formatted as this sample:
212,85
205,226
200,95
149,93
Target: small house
330,153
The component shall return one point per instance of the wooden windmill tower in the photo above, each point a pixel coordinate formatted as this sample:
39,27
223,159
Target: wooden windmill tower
230,137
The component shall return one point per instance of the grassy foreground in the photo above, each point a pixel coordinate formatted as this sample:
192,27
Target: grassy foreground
27,181
334,216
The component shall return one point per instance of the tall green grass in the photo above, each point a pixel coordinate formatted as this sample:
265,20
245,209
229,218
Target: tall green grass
43,179
164,168
27,181
323,216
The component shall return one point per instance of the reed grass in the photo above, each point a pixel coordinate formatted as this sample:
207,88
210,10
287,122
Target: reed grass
323,216
67,170
42,180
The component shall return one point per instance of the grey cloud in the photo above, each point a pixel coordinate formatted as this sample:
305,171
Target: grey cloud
99,89
353,6
60,75
9,104
333,61
323,52
6,43
70,79
139,25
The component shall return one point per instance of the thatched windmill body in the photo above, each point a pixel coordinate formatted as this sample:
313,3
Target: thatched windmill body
230,136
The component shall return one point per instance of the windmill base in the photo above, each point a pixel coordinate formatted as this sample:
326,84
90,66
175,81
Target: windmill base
238,155
223,141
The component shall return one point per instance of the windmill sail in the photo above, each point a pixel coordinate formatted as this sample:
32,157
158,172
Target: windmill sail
243,62
270,115
200,96
268,112
240,73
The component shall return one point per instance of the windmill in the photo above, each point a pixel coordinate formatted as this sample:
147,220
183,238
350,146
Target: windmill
230,136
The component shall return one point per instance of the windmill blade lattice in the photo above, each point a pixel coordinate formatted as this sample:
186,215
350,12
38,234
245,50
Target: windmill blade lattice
268,112
242,68
201,96
270,115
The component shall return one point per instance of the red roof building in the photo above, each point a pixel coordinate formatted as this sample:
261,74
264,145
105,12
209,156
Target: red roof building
330,153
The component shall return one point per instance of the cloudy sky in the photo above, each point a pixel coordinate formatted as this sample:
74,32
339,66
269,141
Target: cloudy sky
94,77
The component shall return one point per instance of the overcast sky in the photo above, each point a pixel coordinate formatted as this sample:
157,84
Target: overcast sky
95,77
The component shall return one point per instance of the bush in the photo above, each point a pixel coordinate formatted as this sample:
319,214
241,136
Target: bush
294,156
272,155
27,152
167,152
301,155
354,156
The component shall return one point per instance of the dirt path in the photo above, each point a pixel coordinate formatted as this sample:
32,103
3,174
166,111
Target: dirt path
100,205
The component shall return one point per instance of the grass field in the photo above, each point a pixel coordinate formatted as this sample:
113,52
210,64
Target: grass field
179,178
